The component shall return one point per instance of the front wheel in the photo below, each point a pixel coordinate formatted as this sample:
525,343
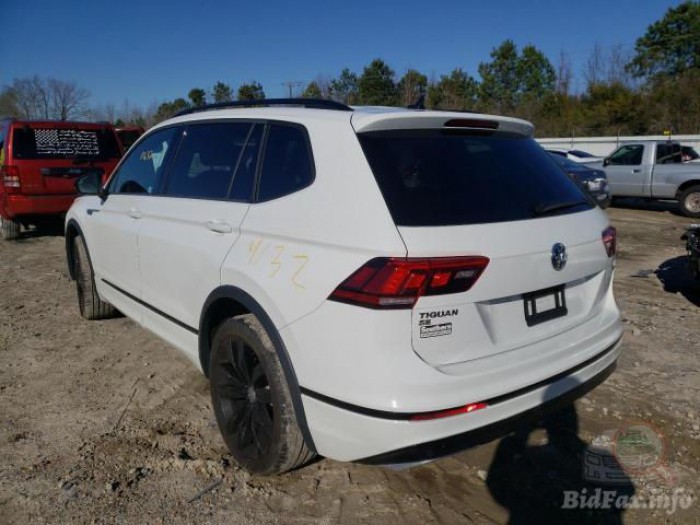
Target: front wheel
689,201
91,306
251,399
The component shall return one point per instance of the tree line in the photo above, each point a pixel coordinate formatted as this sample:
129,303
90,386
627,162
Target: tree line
653,89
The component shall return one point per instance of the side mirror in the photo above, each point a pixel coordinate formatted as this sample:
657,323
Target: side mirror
606,161
91,184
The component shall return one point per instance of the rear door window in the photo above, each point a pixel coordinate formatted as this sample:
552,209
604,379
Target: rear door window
668,154
436,178
142,170
77,143
287,165
207,159
244,178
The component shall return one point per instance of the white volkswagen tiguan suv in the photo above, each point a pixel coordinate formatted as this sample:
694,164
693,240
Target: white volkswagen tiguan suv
369,284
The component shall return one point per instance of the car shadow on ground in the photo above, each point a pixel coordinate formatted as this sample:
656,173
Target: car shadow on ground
532,481
675,278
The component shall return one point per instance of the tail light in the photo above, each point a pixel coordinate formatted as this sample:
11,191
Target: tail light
9,178
439,414
610,240
391,283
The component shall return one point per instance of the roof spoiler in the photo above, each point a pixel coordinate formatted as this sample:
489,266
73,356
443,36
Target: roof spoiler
311,103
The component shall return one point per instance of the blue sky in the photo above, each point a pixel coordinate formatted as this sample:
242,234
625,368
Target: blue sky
150,51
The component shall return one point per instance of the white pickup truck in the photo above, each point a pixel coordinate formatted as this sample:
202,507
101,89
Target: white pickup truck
655,170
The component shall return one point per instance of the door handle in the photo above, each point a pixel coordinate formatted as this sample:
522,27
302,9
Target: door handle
135,214
635,171
219,226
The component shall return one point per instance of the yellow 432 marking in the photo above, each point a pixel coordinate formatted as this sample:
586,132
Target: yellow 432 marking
303,259
257,250
253,249
275,262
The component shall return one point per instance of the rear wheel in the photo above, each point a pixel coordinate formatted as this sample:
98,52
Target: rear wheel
10,229
91,306
689,201
251,399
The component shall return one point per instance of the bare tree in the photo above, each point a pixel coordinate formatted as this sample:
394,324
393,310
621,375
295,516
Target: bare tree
324,84
31,96
594,69
36,98
564,74
411,86
68,100
616,72
8,104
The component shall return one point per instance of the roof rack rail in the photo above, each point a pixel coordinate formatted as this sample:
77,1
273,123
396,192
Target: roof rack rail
311,103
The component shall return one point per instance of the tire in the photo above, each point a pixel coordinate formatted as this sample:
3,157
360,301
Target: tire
10,229
689,201
91,306
251,399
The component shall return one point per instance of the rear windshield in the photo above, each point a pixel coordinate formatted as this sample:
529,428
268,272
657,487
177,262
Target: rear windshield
437,178
65,143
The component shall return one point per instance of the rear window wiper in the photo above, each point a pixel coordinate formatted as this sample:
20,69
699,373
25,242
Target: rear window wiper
544,208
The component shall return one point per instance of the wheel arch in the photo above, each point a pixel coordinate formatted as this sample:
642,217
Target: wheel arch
230,301
73,230
687,184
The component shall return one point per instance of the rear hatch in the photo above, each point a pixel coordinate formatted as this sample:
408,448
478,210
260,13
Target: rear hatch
50,156
480,187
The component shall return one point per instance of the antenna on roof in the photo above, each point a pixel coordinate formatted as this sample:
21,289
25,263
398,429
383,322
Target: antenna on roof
419,103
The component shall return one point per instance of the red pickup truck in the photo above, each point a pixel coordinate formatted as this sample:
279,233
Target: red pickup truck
39,163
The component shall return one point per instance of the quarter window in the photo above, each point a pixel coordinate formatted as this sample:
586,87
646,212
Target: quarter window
287,165
142,170
206,160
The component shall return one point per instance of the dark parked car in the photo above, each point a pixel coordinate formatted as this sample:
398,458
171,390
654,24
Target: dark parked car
593,180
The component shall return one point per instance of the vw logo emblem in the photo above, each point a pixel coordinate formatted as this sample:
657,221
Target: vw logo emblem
559,256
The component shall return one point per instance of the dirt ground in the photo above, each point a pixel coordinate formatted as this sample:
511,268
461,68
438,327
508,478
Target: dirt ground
104,423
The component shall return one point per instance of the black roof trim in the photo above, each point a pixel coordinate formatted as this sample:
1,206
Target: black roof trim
311,103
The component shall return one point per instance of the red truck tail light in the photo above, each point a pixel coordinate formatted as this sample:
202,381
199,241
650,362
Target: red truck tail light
610,240
9,178
391,283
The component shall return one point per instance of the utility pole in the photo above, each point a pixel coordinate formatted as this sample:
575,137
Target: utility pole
291,84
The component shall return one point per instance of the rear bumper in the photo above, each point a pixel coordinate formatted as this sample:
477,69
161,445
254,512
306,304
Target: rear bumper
15,206
348,434
440,448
